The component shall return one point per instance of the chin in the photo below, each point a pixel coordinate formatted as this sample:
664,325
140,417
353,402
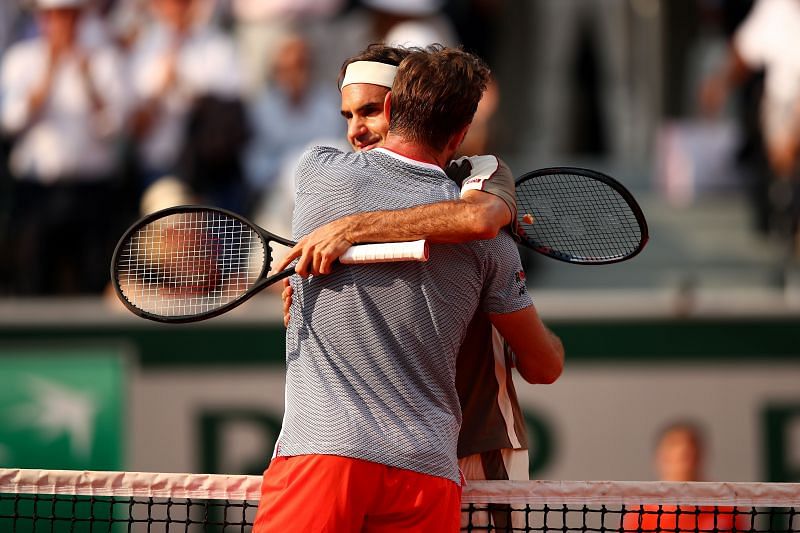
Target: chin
366,147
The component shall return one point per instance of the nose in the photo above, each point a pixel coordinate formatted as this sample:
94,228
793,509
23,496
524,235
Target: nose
355,129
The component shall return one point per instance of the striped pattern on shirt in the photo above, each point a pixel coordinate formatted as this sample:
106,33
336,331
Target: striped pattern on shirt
371,349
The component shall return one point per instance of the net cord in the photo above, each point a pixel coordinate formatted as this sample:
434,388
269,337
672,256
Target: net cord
537,492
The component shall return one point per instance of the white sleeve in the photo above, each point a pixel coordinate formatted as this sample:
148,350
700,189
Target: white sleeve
15,86
752,39
483,168
109,76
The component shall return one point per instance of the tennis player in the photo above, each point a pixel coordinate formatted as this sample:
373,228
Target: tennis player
493,441
372,414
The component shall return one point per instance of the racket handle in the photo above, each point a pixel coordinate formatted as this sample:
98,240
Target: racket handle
386,252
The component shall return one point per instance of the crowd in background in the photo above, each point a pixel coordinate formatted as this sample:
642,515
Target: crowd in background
114,108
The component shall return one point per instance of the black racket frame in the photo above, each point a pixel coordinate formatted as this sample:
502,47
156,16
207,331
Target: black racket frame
263,279
599,176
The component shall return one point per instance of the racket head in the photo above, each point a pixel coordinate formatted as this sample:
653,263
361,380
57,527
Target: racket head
579,216
189,263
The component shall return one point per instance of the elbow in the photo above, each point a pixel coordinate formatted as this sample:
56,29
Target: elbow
487,215
543,376
543,371
488,222
550,376
485,229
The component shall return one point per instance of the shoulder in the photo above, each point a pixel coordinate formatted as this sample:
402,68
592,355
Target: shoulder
486,173
21,52
761,29
22,62
483,173
325,162
326,154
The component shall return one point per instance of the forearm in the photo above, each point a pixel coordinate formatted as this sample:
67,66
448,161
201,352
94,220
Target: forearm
539,353
444,222
476,216
546,368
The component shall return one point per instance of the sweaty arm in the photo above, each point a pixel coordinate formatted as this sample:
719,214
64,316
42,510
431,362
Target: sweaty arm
539,352
487,204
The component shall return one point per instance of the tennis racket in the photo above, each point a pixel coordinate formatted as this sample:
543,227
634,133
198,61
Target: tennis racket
190,263
579,216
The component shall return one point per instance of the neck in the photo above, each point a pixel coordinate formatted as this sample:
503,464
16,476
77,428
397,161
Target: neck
416,151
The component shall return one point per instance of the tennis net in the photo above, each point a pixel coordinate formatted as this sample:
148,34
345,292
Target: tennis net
85,501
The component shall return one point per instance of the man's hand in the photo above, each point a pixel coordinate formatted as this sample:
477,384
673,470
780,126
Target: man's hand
286,298
319,249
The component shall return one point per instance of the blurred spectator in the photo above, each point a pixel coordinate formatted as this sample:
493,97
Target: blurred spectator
211,159
422,23
165,192
582,95
765,41
478,24
411,22
127,21
177,60
679,457
9,12
679,452
293,110
63,104
697,156
261,26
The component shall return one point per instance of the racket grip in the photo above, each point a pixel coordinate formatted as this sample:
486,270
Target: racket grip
386,252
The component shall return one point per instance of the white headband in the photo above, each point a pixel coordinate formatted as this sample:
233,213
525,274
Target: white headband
369,72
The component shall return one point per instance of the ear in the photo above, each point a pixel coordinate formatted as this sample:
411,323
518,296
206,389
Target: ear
387,106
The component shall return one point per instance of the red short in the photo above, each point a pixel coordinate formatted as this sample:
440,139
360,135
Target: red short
311,493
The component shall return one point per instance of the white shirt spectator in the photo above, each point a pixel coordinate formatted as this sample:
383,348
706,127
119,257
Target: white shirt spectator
67,140
206,64
769,38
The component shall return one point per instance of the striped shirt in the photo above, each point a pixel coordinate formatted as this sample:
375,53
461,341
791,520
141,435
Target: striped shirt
371,361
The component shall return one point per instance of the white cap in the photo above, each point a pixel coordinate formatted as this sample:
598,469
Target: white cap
59,4
409,8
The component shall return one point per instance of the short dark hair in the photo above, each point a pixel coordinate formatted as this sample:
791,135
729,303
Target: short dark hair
377,52
435,93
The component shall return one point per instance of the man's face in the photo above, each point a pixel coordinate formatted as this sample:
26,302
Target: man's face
677,456
177,13
60,25
362,108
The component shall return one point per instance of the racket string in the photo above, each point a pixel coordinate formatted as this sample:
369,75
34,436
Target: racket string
578,216
190,263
